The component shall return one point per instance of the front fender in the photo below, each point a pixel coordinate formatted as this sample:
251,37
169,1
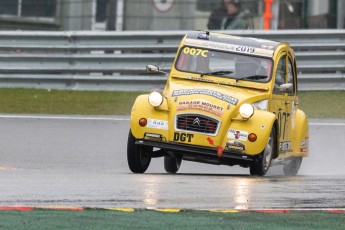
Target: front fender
157,119
260,124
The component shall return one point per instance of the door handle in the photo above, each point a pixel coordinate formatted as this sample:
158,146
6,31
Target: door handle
287,102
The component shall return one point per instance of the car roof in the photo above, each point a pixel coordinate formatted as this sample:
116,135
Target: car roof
226,42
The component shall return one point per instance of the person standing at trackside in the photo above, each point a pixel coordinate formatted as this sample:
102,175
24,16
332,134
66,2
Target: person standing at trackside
228,17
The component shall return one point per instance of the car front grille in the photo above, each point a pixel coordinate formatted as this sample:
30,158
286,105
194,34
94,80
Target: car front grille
197,123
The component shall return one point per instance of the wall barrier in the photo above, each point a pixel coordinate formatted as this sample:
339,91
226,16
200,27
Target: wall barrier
116,60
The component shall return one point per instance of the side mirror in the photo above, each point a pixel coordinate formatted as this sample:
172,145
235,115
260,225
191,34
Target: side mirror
286,88
152,69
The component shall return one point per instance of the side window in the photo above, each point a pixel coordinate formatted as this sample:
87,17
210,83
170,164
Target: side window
290,77
280,76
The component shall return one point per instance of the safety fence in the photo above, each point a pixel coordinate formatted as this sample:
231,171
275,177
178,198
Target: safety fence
117,60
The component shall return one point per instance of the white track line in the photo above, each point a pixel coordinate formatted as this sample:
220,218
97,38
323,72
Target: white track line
326,124
116,118
56,117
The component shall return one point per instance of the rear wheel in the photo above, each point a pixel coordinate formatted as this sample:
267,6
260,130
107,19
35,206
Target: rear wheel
172,163
292,168
263,161
137,156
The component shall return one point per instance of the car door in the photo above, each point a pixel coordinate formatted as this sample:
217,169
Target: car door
291,100
281,104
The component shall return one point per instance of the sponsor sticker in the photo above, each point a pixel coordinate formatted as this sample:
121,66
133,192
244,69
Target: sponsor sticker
304,150
237,134
285,146
235,145
157,124
305,145
153,135
208,92
267,47
204,79
263,51
201,105
210,141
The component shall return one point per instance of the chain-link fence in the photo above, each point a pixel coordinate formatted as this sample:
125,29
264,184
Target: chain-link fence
169,14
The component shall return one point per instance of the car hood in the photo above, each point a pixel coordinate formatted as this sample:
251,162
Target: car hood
221,97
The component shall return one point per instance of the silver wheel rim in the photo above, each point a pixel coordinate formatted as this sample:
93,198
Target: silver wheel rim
268,153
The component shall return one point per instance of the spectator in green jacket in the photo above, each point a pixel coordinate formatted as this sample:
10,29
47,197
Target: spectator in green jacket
228,16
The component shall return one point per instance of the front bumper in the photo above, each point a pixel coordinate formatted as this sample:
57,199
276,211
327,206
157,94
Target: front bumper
200,154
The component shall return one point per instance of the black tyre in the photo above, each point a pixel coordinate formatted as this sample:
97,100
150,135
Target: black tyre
292,168
137,156
263,161
172,164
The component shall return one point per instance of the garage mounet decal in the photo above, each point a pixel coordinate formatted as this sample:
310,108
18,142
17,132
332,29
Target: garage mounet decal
157,124
201,105
208,92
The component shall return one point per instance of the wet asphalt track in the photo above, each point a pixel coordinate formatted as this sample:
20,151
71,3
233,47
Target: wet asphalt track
82,162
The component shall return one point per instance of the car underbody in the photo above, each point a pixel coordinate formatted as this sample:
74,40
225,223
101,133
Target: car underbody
197,153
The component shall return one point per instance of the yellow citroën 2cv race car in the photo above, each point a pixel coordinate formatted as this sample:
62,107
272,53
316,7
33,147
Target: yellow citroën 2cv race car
228,100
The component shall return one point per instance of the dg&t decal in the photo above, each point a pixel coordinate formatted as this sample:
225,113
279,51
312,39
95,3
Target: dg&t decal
183,137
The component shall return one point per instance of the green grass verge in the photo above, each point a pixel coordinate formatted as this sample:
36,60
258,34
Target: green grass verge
100,219
323,104
33,101
316,104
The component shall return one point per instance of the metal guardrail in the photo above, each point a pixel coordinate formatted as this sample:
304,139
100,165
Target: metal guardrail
117,60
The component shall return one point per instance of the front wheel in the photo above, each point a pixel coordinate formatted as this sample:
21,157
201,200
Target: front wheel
292,168
263,161
172,163
137,156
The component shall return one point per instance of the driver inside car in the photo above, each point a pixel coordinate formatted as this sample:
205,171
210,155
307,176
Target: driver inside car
249,68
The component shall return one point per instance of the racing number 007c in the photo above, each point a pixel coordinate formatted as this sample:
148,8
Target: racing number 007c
195,51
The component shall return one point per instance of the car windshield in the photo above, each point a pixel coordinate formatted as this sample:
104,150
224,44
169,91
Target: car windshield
224,64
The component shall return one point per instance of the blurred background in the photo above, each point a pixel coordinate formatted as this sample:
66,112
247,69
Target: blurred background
58,15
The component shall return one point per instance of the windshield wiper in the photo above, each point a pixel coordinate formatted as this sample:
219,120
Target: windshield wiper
217,73
253,77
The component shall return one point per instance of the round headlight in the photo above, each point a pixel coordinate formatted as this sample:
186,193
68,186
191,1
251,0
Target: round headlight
155,99
246,111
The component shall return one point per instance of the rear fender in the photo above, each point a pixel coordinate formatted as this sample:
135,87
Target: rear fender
301,135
